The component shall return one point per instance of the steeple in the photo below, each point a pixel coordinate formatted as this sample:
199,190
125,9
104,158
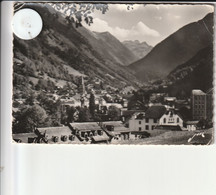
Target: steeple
82,92
83,86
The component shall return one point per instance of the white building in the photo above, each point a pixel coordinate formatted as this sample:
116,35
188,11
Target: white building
142,121
170,102
191,125
170,118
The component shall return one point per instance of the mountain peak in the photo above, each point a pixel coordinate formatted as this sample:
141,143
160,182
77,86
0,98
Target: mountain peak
176,49
138,48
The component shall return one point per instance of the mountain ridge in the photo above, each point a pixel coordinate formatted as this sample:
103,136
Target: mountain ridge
109,47
140,49
61,46
196,73
175,49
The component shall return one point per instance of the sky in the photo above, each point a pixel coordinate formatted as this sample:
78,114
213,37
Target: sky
150,23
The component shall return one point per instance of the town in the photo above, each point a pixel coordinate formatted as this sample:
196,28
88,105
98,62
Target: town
101,114
82,83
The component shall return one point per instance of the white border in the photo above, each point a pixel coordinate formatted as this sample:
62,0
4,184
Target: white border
95,170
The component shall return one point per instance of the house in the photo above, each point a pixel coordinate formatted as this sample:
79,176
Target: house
86,130
127,114
102,132
170,101
100,139
125,103
117,130
191,125
57,135
142,121
171,118
25,138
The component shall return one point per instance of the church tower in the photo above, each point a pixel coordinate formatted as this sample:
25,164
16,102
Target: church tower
82,92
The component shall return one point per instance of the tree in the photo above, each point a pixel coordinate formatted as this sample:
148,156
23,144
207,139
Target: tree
84,114
185,113
114,113
139,100
29,117
204,123
70,114
79,12
42,84
30,99
76,13
92,104
101,85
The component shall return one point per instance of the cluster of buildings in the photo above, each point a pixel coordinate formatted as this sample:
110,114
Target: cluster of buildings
134,124
76,133
103,100
156,117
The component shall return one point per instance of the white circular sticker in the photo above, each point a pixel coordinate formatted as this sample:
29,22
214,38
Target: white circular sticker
27,24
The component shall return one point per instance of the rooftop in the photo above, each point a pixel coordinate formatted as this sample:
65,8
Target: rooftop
197,92
118,126
169,98
23,136
130,112
155,111
192,122
100,138
85,126
55,131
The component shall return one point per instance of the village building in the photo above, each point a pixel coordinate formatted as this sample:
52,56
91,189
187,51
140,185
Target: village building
157,97
57,135
198,104
127,114
209,103
101,102
69,102
145,121
89,131
25,138
117,130
202,104
171,118
170,101
191,125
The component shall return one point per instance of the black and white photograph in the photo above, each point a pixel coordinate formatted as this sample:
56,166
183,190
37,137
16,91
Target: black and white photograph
105,73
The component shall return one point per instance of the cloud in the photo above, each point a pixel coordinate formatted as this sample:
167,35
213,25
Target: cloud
139,31
142,29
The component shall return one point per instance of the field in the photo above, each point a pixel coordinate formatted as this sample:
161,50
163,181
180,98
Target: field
161,137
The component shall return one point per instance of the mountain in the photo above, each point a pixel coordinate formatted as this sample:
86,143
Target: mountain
109,47
139,49
60,54
176,49
197,73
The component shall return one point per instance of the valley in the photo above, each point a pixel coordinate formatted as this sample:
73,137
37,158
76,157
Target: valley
70,77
